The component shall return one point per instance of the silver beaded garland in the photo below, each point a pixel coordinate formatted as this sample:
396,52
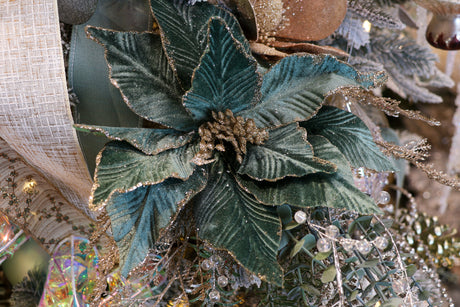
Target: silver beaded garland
300,217
381,243
363,246
323,245
384,198
348,244
332,231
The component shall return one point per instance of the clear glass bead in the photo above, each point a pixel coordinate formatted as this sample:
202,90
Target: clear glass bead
215,259
214,296
300,217
206,265
437,231
381,242
430,239
384,197
222,281
348,244
363,246
323,245
332,231
417,228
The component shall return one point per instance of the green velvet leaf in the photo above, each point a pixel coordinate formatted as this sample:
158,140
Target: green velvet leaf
286,153
351,136
140,69
334,190
232,219
121,168
185,28
294,89
139,217
226,77
149,141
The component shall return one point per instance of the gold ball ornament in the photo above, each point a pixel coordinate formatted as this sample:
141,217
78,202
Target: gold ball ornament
269,16
291,20
311,20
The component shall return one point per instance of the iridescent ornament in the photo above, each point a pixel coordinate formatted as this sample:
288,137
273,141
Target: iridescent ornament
443,31
132,289
363,246
71,274
300,217
11,238
323,245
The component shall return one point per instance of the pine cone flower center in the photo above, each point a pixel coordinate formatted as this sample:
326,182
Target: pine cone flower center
234,130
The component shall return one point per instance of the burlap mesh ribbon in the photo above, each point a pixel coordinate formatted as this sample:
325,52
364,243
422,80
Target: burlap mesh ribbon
35,118
48,217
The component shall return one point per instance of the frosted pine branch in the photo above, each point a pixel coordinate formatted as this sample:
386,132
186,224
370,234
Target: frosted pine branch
410,87
393,49
376,15
352,30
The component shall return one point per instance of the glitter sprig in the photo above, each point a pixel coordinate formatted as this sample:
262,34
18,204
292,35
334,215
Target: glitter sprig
387,105
235,130
416,154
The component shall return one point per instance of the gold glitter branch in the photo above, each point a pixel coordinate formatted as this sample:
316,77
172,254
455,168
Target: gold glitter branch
103,223
439,176
387,105
416,152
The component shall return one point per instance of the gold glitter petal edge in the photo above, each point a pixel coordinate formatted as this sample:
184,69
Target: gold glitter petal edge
113,81
240,47
92,129
180,205
102,204
316,159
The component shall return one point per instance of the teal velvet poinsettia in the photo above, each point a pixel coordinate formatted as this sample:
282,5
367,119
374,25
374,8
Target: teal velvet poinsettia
233,144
